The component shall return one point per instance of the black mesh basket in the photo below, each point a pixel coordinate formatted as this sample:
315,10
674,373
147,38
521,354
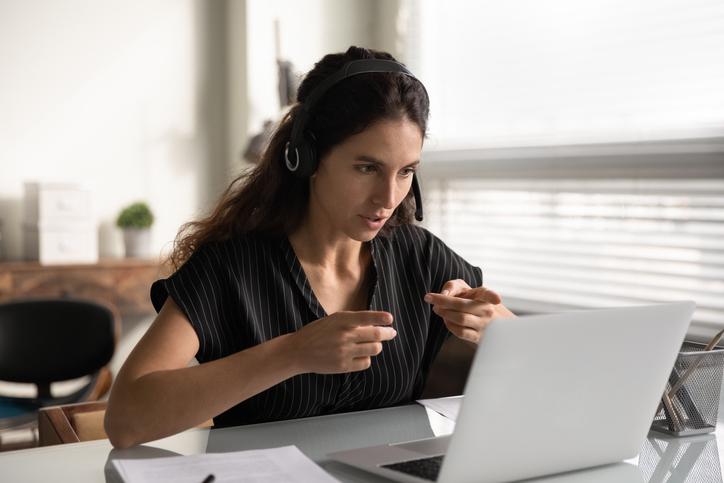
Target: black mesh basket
696,379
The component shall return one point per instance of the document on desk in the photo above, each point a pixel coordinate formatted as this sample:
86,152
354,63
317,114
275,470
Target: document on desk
447,406
285,464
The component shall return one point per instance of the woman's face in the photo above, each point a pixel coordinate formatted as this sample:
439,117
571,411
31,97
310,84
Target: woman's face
361,181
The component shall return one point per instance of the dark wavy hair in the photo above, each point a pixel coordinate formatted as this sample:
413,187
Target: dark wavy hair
269,200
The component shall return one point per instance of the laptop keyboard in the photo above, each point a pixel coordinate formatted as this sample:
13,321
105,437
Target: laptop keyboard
425,468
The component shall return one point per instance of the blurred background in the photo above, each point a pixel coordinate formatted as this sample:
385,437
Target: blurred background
575,153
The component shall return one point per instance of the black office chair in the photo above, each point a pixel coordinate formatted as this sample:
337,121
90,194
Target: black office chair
46,341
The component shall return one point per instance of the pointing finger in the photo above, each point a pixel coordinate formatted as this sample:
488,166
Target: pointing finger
374,334
368,317
482,294
453,287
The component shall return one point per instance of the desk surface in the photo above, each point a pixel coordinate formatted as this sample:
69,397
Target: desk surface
662,458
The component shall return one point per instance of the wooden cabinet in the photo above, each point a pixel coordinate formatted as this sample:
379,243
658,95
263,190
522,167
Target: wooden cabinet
125,283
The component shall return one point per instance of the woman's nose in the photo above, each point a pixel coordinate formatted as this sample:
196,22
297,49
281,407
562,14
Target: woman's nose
386,193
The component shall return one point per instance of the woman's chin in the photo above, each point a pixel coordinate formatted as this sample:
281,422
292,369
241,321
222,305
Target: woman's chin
362,235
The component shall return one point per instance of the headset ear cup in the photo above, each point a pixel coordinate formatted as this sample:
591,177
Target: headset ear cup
308,159
307,149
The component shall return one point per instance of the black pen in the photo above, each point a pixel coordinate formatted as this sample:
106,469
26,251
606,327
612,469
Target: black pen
208,479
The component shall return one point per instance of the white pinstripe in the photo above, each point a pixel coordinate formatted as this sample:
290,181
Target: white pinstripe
275,297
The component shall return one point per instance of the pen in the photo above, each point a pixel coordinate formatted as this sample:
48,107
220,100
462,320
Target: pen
208,479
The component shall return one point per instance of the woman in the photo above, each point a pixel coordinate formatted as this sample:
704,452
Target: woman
302,296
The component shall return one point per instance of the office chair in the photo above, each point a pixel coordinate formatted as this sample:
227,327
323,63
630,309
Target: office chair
46,341
73,423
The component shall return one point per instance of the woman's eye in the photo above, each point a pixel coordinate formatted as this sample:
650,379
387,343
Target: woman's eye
366,168
371,168
408,171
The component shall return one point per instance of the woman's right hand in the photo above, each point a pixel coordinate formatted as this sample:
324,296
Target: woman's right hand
341,342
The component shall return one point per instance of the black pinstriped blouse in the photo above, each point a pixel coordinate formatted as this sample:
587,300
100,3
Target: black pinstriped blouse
245,291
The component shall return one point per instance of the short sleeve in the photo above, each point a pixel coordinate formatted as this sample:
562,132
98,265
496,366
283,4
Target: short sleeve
440,264
199,287
446,265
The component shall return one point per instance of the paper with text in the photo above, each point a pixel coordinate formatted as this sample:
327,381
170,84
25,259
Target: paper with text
284,465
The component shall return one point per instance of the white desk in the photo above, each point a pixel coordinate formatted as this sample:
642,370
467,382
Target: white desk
661,459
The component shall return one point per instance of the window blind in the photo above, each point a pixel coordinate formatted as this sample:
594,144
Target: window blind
586,239
575,148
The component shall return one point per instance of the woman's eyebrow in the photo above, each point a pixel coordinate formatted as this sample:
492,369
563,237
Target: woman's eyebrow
371,159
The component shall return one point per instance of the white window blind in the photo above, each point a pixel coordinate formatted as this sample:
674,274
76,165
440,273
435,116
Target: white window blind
531,72
576,148
587,238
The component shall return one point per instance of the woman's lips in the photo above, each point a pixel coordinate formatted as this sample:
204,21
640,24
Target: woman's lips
373,222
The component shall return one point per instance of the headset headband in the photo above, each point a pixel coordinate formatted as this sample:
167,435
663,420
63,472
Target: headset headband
351,68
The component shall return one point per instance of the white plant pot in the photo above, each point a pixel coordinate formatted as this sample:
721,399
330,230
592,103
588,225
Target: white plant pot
137,242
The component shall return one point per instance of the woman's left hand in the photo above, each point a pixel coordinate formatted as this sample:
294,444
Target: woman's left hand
467,311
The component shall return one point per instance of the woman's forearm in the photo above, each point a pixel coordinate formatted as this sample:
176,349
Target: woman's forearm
162,403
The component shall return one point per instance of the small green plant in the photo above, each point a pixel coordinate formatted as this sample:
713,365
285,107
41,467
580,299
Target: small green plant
137,215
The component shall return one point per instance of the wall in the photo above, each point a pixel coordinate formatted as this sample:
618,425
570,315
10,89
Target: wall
152,101
308,31
126,97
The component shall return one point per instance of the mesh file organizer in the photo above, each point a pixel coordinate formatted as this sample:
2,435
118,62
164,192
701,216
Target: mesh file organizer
697,377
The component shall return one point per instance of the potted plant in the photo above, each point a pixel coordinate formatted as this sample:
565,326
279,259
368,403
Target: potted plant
135,220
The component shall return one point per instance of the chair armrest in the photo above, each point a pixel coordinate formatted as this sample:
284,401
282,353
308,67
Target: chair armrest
59,424
73,423
102,384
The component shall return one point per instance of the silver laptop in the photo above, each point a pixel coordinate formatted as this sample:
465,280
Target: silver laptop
548,394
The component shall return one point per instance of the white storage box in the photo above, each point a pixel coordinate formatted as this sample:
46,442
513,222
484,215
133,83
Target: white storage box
56,202
59,227
61,244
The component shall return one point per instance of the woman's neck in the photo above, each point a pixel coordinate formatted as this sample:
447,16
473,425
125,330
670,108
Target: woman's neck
333,254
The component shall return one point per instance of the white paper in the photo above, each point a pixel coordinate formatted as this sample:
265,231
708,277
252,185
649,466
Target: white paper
285,464
440,425
447,406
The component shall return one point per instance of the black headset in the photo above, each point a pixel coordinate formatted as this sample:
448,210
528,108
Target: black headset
302,143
